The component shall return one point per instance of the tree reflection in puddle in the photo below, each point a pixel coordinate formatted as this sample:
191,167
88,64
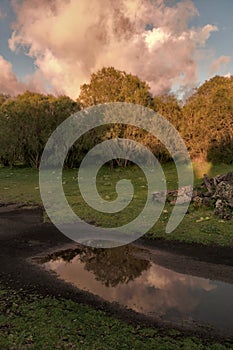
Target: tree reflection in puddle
121,275
110,266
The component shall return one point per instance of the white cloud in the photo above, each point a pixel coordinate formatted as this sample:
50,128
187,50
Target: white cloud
219,63
201,35
71,39
228,75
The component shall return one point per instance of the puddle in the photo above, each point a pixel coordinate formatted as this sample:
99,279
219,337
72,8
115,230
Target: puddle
122,275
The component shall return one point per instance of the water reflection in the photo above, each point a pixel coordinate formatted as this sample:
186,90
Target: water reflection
110,266
120,275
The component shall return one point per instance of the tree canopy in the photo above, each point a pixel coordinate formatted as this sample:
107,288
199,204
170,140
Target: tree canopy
111,85
208,120
27,121
205,121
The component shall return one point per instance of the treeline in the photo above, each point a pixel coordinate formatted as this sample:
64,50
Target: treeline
26,122
205,121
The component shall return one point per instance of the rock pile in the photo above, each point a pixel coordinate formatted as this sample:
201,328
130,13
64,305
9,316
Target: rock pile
181,196
216,192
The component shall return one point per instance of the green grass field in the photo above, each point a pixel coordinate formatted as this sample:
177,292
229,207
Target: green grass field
48,323
33,322
199,224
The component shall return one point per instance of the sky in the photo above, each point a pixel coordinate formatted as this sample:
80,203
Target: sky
53,46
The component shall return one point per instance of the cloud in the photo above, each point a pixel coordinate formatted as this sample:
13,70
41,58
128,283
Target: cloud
228,75
9,83
201,35
156,292
71,39
217,64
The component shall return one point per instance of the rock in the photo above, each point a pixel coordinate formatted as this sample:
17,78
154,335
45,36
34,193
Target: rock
217,192
182,199
198,200
181,196
159,196
209,183
222,210
224,191
184,194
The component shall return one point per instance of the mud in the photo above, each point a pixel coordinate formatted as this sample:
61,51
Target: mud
24,236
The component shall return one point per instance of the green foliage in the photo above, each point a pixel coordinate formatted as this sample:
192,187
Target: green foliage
26,122
208,116
168,107
204,122
111,85
3,98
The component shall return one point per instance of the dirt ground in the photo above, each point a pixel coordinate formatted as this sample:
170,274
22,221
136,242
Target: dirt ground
23,235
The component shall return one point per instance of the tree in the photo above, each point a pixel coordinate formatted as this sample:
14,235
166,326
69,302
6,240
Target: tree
111,85
3,98
169,107
109,266
11,133
27,121
208,120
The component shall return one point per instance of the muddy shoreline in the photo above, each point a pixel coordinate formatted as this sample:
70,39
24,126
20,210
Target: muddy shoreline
23,235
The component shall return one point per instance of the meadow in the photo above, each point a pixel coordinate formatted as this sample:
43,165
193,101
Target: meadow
32,322
21,185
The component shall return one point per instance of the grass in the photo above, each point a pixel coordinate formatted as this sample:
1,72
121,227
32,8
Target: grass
199,224
32,322
19,185
35,322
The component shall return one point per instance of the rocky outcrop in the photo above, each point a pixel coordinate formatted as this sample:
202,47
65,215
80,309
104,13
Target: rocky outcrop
217,192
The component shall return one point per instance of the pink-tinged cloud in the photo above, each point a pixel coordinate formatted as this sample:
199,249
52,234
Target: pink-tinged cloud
219,63
201,35
155,292
71,39
9,84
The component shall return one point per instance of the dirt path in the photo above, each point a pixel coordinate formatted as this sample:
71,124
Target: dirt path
23,235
